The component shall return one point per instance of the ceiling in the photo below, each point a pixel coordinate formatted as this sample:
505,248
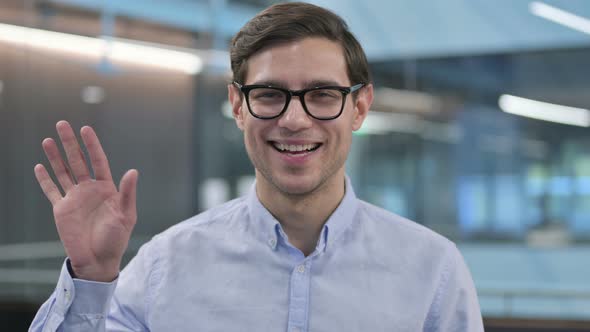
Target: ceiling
482,47
388,29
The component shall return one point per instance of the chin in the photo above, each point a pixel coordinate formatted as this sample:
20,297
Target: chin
296,185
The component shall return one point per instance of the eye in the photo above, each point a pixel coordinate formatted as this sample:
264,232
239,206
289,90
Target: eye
266,94
324,94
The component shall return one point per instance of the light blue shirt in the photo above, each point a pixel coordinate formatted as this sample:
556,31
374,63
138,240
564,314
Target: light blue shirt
232,268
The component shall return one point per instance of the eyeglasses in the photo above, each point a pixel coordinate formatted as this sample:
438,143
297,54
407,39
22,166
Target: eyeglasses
322,103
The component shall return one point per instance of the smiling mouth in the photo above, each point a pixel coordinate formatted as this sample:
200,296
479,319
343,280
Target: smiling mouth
295,149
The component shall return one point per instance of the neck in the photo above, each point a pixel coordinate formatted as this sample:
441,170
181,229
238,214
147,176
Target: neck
302,216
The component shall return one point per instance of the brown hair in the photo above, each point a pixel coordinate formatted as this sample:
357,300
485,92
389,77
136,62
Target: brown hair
290,22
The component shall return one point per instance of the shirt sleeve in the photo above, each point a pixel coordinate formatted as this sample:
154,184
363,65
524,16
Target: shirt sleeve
82,305
455,307
75,305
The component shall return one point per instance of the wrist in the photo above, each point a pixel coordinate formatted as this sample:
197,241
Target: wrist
93,273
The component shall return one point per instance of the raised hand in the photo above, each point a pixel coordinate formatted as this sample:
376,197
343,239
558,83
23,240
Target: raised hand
94,219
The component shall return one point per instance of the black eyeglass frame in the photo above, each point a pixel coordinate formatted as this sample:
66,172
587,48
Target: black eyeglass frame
296,93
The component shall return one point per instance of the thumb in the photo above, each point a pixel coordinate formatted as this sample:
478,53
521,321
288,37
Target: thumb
128,190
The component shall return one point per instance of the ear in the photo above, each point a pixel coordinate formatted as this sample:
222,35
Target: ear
235,99
362,106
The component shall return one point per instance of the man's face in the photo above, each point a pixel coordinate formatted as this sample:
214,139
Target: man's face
298,65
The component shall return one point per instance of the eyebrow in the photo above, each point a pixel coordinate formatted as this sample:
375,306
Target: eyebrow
306,85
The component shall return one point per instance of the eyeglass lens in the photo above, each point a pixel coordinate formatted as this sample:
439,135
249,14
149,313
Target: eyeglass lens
321,103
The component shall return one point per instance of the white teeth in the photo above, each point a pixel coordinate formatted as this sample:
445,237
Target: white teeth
295,148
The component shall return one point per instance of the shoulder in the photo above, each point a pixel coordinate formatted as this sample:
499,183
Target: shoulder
175,247
395,233
386,221
213,222
421,252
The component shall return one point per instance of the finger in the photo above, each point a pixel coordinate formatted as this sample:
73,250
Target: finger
128,190
57,164
98,159
73,151
49,188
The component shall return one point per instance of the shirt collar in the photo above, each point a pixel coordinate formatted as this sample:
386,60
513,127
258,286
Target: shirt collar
268,229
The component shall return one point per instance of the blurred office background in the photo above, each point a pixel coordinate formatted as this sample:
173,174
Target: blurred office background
479,130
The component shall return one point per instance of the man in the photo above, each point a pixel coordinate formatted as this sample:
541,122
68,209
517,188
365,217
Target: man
299,253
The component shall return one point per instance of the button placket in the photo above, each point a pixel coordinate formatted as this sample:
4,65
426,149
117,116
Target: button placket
299,297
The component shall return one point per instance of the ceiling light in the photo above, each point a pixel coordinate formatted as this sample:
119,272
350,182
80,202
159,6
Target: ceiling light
560,16
544,111
383,123
406,100
129,51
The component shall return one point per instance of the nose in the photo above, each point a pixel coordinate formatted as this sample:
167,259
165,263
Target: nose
295,118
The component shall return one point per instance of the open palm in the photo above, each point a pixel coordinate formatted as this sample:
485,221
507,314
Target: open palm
94,219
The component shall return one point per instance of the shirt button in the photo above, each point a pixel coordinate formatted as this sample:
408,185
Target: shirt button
301,268
272,242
